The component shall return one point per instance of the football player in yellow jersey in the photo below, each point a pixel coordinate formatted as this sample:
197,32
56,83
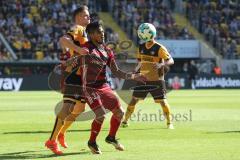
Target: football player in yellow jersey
73,103
153,57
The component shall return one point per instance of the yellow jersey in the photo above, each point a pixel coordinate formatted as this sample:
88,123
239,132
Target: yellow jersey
79,37
150,55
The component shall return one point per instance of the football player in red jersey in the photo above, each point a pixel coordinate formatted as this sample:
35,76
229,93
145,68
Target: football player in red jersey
98,94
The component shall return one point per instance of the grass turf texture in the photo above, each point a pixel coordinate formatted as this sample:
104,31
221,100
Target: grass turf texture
210,129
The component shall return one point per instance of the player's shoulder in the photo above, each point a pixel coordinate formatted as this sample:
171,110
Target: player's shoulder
109,51
160,45
76,29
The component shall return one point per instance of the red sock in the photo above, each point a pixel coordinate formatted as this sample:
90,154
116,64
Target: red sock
96,127
114,125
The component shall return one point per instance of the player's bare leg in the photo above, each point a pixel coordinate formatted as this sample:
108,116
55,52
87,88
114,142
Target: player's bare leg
166,110
78,108
129,112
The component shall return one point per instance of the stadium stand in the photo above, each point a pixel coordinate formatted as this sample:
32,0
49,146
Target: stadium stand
219,22
130,14
4,56
33,27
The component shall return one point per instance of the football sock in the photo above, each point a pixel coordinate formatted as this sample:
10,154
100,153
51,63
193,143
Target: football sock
66,125
68,122
114,125
57,127
130,110
95,129
166,111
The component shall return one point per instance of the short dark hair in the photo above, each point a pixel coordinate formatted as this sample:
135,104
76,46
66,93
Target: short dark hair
93,26
79,10
94,17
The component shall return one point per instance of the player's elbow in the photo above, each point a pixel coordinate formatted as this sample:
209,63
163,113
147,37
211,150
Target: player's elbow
171,61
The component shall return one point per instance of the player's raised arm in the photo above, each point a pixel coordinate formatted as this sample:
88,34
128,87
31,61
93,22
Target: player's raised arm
168,60
76,36
165,55
66,42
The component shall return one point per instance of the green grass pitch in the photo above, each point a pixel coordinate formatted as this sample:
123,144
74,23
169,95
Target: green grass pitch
207,127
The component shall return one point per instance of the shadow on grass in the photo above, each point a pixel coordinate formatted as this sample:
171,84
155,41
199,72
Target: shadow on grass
223,132
37,132
35,155
82,130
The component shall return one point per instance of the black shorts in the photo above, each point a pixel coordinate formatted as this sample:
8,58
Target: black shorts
156,88
73,88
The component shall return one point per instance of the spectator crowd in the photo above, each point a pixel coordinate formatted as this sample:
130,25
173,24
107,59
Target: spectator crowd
130,14
33,27
219,22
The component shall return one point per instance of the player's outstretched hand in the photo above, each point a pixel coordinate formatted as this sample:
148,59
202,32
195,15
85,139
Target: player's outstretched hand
139,77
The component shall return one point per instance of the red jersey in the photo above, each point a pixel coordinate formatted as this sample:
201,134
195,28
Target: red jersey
94,64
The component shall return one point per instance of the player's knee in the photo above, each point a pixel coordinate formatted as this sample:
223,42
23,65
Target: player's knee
62,115
100,119
118,113
66,110
162,102
71,117
165,103
99,112
78,108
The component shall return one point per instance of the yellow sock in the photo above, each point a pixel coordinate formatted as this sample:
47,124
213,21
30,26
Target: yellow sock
130,110
78,108
57,127
66,125
68,122
166,110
